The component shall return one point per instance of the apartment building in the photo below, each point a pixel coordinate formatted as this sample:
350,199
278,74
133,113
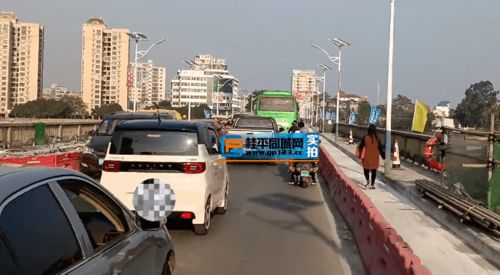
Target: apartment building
189,86
21,62
105,62
304,88
150,84
207,81
57,92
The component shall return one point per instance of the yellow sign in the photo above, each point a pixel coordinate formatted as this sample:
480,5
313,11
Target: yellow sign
420,116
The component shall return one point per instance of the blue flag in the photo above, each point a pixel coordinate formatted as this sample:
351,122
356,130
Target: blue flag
352,118
207,113
374,115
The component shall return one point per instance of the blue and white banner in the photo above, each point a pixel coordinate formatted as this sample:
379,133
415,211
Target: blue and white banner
352,118
330,116
207,113
281,146
374,115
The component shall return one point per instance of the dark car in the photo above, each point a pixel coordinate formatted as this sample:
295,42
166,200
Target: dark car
219,129
55,221
95,150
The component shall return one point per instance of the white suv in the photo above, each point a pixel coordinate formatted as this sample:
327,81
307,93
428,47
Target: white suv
184,154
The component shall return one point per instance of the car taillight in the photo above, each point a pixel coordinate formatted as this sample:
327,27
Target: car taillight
194,167
187,216
111,166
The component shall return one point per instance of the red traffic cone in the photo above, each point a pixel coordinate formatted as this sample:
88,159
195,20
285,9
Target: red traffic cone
396,163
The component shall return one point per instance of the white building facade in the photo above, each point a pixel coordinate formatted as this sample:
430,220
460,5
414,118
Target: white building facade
207,81
57,92
150,88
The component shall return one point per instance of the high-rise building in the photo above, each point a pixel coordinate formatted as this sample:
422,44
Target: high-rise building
105,60
304,88
207,81
57,92
150,84
21,61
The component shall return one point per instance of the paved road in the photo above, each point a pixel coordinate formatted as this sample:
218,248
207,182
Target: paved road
270,228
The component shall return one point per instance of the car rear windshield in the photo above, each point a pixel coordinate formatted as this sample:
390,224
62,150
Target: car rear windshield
154,143
244,122
277,104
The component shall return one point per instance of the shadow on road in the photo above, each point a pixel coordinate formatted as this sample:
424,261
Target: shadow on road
296,206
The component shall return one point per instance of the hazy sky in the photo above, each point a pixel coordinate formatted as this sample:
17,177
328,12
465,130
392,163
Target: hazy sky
441,46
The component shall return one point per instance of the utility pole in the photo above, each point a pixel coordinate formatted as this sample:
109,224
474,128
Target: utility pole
378,94
388,135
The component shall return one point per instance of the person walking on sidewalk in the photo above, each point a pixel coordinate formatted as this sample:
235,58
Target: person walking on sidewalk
372,147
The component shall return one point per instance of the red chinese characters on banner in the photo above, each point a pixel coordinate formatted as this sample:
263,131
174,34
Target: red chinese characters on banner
130,79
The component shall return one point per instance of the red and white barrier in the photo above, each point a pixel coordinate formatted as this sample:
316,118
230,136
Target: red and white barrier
381,249
70,160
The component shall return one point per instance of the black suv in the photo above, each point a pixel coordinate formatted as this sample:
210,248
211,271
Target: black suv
95,150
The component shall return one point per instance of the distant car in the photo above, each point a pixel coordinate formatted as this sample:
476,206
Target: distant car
253,125
56,221
184,154
95,150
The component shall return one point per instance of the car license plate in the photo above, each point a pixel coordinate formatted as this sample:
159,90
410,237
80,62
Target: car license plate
304,173
101,161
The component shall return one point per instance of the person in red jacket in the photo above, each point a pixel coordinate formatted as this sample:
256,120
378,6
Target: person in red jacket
372,147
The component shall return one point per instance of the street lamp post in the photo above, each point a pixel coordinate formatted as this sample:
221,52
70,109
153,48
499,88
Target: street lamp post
218,77
388,162
324,68
338,61
137,36
339,43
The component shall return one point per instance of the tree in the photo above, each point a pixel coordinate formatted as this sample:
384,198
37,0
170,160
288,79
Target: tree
76,106
106,110
402,113
364,110
42,108
480,100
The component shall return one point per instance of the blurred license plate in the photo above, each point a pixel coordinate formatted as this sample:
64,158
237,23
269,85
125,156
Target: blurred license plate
304,173
101,161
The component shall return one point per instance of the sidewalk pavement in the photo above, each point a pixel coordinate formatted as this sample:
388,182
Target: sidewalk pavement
440,250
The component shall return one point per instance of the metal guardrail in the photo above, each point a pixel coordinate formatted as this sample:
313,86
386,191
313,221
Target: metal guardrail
466,210
411,145
19,133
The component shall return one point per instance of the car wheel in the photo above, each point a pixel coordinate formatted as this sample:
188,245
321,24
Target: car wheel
223,209
169,265
202,229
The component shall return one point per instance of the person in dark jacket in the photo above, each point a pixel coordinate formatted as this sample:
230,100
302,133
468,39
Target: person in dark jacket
294,127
